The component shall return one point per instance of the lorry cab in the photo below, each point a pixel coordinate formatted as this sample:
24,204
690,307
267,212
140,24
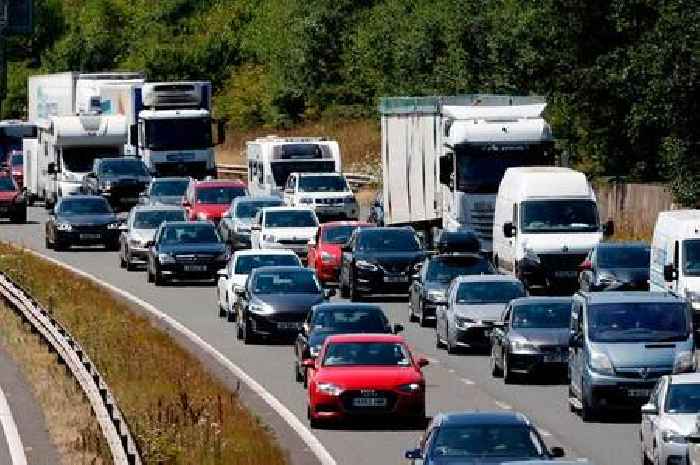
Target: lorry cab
546,222
675,256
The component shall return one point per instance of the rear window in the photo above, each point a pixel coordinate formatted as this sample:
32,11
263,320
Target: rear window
219,195
624,257
388,240
493,292
350,320
247,263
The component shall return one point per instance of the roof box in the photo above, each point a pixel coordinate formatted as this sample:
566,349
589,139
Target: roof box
460,241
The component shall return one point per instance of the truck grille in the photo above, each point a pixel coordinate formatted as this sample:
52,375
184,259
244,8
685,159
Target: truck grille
482,222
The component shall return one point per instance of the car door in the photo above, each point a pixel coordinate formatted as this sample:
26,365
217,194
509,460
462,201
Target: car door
313,248
223,283
499,336
649,424
577,351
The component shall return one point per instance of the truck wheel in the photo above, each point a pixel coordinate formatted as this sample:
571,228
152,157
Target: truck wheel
297,374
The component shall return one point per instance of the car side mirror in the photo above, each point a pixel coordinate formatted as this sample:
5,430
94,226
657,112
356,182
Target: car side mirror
222,273
239,291
556,452
414,454
609,228
509,230
422,362
328,293
186,203
398,328
670,272
649,409
51,168
308,363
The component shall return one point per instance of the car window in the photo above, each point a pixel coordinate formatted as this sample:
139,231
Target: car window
219,195
83,206
196,233
445,269
247,263
366,353
349,320
290,219
542,315
151,219
489,292
323,184
683,398
337,234
623,257
487,441
388,240
286,282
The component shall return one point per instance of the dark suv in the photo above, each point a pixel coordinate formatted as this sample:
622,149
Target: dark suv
120,180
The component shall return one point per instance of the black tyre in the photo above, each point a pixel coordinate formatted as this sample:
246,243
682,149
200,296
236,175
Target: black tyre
239,331
422,320
130,264
222,311
149,275
297,374
411,314
496,371
344,291
248,336
438,342
158,278
588,412
122,260
354,293
230,316
508,376
47,242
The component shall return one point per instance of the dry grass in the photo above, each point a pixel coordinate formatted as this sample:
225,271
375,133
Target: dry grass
178,412
70,423
359,142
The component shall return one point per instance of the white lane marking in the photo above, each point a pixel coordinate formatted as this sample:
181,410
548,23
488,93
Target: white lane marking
544,432
450,370
304,433
433,361
467,381
14,442
502,405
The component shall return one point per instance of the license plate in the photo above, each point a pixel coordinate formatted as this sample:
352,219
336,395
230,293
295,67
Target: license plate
369,402
287,325
639,392
564,274
195,268
90,236
395,279
558,358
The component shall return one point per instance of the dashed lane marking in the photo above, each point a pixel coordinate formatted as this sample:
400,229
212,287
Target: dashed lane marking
467,381
502,405
14,442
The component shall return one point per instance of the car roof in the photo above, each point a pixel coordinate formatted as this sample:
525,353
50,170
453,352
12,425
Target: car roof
149,208
686,378
307,174
286,208
470,417
81,197
478,278
219,183
242,253
631,297
100,160
187,223
373,337
170,179
385,228
540,300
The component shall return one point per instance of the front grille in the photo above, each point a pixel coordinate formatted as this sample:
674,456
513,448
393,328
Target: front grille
636,373
482,222
287,317
395,267
85,228
192,258
347,398
293,241
561,262
330,201
549,349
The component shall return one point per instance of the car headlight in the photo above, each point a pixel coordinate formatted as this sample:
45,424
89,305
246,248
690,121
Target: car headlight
365,265
601,363
522,346
202,216
315,350
673,437
260,308
684,362
166,258
437,295
463,322
113,226
64,226
306,200
410,388
326,257
269,238
329,389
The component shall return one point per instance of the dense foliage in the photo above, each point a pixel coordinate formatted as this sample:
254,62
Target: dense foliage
621,75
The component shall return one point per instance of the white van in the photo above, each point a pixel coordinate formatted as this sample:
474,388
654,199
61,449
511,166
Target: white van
675,256
546,221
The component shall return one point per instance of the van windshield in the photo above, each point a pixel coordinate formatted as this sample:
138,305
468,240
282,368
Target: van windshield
638,321
547,216
691,257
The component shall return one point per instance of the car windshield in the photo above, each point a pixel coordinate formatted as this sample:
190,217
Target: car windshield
493,292
350,320
222,195
169,188
286,282
17,159
123,168
247,263
178,134
542,315
151,219
282,169
366,353
250,209
514,441
546,216
683,398
189,234
445,269
637,321
388,240
7,184
624,257
97,206
691,257
290,219
337,234
322,184
81,159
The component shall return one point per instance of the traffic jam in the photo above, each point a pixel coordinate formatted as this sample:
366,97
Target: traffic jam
484,240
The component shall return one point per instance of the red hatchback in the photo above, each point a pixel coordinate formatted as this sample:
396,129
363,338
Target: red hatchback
324,254
13,203
208,200
365,375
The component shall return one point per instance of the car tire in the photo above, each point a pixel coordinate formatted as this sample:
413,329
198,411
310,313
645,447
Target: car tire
222,311
297,374
645,460
588,412
313,422
239,331
496,371
130,264
47,242
158,278
248,336
412,317
344,291
508,376
230,315
122,260
354,293
438,343
451,348
422,320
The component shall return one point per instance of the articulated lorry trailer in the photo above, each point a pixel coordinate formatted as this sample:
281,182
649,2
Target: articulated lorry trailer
443,158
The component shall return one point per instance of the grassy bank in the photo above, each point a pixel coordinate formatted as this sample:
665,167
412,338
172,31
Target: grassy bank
178,412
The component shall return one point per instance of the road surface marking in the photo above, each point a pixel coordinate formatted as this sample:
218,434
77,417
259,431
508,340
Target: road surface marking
545,433
14,442
433,361
466,381
502,406
450,370
292,420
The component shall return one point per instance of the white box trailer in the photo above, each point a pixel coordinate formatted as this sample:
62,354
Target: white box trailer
51,95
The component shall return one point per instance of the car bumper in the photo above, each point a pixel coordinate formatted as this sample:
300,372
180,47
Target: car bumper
616,392
93,237
284,325
341,408
529,362
192,270
474,336
381,282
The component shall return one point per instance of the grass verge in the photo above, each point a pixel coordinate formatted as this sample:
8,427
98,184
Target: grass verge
178,412
72,428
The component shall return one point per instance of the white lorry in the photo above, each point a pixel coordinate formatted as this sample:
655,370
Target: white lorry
170,125
444,157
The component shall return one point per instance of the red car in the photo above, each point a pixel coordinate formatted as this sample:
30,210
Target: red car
13,203
208,200
324,254
365,375
15,164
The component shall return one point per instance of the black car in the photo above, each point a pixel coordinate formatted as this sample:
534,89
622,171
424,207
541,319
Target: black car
185,250
165,191
616,266
376,210
336,318
481,438
275,301
533,336
120,180
429,286
379,261
82,220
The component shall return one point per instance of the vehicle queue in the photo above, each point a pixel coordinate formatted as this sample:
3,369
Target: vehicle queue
274,262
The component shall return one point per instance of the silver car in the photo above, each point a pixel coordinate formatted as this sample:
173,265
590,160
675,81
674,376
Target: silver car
474,305
669,418
141,225
165,191
235,223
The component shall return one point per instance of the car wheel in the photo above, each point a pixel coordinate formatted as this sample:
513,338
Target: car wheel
354,293
122,259
344,291
158,278
47,242
222,310
496,371
248,336
230,314
508,376
422,320
239,331
588,411
438,342
451,347
645,460
313,422
411,314
297,374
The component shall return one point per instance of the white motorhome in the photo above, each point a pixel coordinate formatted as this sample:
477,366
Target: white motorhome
675,256
443,157
67,147
545,223
272,159
30,166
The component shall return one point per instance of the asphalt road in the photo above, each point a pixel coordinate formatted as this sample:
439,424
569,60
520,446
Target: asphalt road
456,382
